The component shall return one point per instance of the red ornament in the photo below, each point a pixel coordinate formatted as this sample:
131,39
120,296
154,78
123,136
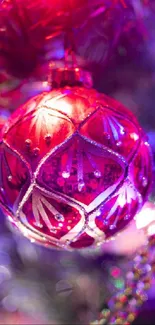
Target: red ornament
75,168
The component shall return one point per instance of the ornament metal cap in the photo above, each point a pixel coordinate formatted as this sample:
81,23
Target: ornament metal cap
69,76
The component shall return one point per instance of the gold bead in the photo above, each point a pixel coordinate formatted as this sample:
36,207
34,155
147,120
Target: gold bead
119,321
137,276
118,305
147,285
131,317
128,291
137,270
139,302
140,298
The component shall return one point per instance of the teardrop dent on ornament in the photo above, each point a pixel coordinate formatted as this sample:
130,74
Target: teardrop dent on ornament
122,131
144,182
36,152
97,173
81,185
48,138
107,136
112,227
38,224
127,217
59,217
118,144
10,178
53,230
28,143
105,222
65,174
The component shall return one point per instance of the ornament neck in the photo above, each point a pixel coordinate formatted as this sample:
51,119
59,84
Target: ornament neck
69,76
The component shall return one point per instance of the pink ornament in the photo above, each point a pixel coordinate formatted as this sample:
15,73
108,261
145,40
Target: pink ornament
75,168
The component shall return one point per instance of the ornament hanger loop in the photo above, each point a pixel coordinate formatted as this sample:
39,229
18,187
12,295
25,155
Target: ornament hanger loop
69,74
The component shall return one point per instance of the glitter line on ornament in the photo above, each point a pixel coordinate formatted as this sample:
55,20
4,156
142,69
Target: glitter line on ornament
125,195
100,199
103,148
17,154
67,239
144,165
81,151
80,176
95,232
6,165
87,140
112,129
39,212
56,104
116,128
70,236
97,172
56,113
40,117
32,233
2,191
67,171
51,153
104,194
80,173
87,225
75,233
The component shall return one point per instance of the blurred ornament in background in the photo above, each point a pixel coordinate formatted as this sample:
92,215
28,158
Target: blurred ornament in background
75,164
28,31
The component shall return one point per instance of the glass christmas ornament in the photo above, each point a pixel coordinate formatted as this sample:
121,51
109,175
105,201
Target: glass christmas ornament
75,165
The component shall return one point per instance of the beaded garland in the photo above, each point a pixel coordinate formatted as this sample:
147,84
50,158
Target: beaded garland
124,306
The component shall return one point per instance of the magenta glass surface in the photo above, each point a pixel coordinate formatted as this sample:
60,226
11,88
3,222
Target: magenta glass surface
75,168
